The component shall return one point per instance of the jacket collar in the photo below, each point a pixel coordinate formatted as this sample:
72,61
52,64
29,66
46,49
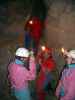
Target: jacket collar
71,65
17,61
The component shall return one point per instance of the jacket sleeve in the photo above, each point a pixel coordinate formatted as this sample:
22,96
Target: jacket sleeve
57,93
59,86
31,74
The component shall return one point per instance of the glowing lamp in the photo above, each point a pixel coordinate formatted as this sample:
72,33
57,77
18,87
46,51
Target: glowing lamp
30,22
62,50
43,48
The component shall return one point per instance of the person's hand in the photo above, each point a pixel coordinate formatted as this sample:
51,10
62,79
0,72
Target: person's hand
32,54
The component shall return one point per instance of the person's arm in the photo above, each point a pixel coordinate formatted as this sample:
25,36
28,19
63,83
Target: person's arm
57,93
58,89
31,73
32,68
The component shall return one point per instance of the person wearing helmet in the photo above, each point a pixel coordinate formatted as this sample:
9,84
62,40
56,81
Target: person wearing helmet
66,87
47,65
21,70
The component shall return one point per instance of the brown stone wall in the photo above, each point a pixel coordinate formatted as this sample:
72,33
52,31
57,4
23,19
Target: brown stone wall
60,25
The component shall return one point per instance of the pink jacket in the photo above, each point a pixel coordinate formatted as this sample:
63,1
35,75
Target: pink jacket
68,83
19,75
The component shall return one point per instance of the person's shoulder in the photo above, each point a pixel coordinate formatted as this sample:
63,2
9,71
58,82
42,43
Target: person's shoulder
13,64
64,71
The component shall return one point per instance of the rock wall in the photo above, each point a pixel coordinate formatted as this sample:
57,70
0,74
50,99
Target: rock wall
60,22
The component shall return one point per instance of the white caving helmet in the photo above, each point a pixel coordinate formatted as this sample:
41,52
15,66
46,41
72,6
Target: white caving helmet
71,54
22,52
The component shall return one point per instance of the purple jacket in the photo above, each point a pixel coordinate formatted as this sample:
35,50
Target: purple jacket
67,82
19,75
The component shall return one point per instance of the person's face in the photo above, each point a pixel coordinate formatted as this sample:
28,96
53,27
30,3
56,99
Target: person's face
25,62
68,60
25,59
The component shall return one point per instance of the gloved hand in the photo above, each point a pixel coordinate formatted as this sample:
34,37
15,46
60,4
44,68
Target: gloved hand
32,54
